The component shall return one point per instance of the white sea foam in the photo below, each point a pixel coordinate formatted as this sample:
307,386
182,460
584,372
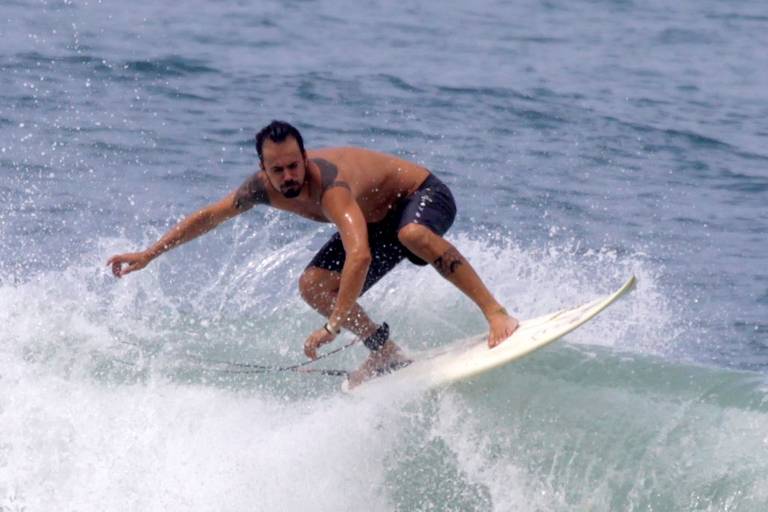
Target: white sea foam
78,431
75,445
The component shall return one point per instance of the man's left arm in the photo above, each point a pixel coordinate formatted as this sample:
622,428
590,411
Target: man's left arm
341,208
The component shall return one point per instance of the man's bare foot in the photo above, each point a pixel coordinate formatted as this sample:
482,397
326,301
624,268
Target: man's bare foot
501,326
382,361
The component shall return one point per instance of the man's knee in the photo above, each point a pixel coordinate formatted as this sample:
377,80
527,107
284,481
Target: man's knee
418,239
315,281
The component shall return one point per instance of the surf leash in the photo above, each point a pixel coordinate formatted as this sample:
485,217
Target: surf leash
236,367
373,342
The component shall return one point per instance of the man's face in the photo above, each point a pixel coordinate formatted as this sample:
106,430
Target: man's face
284,165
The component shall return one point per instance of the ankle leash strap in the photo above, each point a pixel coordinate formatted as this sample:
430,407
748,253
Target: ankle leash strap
377,340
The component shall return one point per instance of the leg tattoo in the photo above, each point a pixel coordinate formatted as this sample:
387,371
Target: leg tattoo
448,262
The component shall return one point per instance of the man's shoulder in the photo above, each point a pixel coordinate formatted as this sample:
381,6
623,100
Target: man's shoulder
339,152
330,176
348,160
252,191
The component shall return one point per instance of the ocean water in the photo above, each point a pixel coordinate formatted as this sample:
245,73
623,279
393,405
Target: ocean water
585,141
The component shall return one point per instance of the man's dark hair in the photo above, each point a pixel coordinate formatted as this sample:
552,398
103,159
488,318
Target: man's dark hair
277,131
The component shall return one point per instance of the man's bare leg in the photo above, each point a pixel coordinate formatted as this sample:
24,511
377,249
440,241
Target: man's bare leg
449,262
319,288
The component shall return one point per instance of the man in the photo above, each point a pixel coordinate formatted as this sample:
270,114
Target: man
386,209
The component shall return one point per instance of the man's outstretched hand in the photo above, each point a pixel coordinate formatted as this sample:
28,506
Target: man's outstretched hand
134,260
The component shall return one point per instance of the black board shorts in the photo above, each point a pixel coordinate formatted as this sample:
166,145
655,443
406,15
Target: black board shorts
432,205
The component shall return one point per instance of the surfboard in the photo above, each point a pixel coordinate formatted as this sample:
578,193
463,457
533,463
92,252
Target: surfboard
466,358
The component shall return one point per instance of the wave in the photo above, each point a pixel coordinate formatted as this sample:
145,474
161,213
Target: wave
102,383
572,427
590,428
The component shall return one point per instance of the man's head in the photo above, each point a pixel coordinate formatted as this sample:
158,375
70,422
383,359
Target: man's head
282,156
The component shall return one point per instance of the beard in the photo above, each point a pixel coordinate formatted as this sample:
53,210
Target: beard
290,189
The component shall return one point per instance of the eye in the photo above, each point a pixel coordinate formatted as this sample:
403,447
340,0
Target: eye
293,166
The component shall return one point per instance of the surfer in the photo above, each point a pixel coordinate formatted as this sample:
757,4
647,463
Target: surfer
385,209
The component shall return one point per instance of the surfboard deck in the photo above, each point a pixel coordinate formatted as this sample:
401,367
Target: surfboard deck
469,357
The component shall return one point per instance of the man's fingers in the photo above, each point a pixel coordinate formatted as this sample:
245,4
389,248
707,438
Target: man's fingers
316,340
132,263
310,350
116,262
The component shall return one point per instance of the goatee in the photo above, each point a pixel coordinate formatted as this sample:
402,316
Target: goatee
291,189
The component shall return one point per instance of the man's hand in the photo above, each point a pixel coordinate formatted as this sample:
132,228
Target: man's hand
134,260
502,326
317,339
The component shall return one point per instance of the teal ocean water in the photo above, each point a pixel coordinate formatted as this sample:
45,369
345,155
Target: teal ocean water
584,142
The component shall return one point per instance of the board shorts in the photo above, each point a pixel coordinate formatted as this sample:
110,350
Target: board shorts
431,205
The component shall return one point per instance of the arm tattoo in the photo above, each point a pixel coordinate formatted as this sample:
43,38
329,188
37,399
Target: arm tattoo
251,192
328,174
448,263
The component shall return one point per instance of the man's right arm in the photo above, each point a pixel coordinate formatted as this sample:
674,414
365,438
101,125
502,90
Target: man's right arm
251,192
192,226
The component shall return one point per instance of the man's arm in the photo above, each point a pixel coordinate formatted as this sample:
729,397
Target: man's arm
342,209
194,225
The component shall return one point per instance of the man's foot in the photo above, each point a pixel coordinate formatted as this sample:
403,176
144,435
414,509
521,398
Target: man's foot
385,360
501,326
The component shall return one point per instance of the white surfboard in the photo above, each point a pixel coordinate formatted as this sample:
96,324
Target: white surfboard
469,357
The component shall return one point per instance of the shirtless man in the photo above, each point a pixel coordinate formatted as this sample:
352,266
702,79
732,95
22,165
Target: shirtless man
385,209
